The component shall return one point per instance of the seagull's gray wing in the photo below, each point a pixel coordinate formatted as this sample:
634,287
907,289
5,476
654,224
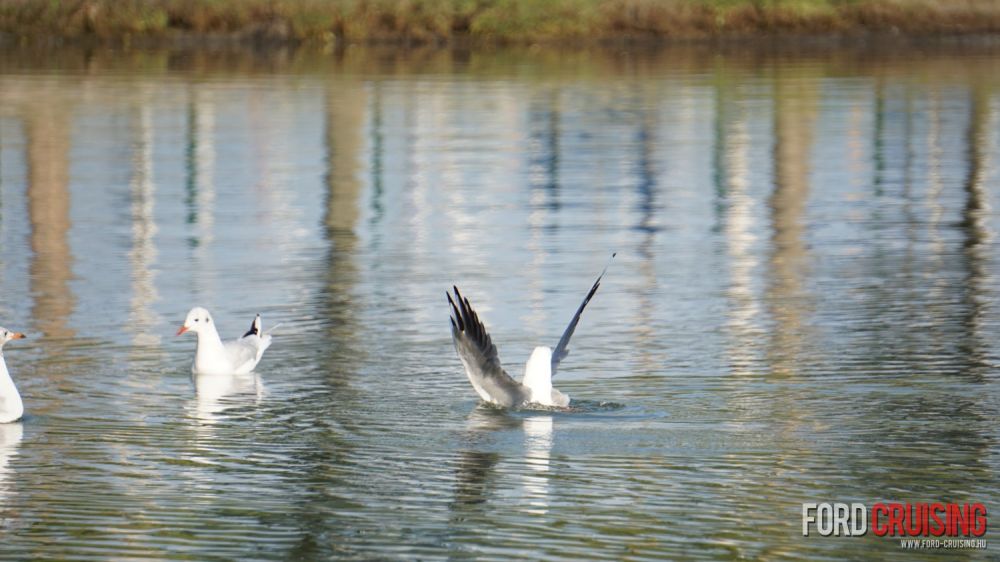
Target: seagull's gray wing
243,353
560,352
476,350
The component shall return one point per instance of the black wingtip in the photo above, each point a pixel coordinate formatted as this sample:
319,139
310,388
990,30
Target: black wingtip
454,308
254,327
601,276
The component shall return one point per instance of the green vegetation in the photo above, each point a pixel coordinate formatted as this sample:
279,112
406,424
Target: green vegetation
519,21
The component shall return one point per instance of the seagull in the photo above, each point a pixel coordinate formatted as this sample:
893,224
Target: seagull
11,407
215,357
482,364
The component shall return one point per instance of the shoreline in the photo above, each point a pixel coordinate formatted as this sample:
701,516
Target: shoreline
498,23
880,55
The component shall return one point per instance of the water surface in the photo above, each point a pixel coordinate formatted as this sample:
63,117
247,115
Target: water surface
802,307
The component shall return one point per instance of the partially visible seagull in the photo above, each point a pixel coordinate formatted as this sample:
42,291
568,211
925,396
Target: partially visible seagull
215,357
482,364
11,407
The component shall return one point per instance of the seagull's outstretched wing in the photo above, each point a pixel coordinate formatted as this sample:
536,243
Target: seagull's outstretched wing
482,364
560,352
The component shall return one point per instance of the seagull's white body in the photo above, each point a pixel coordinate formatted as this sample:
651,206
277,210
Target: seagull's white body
10,438
11,406
482,364
215,394
538,379
215,357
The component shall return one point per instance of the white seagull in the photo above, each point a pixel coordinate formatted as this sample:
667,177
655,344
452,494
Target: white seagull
482,364
11,407
215,357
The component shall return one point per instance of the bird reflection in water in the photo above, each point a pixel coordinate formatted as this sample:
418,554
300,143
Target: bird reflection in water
475,473
475,467
537,448
10,439
214,394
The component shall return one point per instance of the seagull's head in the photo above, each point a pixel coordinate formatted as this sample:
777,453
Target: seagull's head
6,335
197,320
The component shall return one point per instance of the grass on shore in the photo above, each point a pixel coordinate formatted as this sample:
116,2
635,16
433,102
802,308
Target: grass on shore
517,21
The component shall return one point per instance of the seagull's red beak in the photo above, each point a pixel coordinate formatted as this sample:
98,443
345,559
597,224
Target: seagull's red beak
18,336
181,330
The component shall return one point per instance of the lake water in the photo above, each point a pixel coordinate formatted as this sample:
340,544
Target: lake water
803,307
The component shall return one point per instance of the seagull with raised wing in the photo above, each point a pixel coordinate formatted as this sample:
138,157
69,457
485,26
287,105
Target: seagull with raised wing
482,364
11,407
215,357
